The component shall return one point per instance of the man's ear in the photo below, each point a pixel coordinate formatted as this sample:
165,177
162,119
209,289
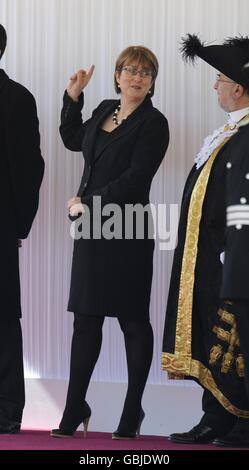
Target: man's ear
239,90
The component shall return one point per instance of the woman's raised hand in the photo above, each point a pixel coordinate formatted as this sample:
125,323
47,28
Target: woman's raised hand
78,81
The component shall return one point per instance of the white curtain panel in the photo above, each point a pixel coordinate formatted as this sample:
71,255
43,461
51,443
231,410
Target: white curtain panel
47,41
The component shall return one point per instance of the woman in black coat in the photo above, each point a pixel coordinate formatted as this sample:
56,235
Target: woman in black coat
123,144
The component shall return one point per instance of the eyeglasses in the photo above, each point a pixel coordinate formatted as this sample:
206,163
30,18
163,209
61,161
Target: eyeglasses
218,79
133,71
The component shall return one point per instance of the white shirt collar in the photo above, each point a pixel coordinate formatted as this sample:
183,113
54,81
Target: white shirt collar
211,142
236,116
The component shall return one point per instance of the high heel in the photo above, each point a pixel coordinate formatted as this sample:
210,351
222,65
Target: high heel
124,434
85,425
69,432
141,418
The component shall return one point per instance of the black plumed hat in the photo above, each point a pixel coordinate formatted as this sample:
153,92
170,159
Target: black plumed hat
230,58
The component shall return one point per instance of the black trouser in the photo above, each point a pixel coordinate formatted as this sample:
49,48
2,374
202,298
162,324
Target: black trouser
241,312
86,345
12,395
216,416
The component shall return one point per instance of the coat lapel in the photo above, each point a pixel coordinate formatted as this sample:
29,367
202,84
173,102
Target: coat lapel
132,121
3,78
89,140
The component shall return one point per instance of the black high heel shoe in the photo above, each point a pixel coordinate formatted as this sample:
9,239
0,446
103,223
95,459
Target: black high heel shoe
69,432
125,434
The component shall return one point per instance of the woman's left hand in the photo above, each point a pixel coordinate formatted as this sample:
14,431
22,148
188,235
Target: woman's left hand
72,201
75,206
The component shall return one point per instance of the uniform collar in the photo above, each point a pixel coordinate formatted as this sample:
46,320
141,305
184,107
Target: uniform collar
236,116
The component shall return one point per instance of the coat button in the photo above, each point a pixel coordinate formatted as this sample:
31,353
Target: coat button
243,200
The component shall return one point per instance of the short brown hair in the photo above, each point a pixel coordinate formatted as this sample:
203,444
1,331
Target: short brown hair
141,55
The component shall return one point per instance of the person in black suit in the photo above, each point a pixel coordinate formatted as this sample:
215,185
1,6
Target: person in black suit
207,319
123,144
21,173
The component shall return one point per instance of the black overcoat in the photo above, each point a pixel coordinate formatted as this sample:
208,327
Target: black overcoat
21,172
113,277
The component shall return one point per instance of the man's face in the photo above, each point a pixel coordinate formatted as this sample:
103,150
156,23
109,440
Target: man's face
225,88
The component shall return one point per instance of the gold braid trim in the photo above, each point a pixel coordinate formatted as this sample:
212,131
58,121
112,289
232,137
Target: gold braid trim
226,316
228,357
240,366
230,337
215,354
187,279
222,334
178,365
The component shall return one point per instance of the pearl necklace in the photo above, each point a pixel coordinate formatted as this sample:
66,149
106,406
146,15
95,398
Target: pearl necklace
114,116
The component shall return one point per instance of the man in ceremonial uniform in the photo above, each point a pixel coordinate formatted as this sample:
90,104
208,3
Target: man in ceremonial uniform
207,320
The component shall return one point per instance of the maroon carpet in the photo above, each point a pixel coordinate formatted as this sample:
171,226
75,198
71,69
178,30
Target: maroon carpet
41,440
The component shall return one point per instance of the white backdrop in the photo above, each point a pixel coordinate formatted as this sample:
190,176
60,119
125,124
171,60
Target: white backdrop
47,41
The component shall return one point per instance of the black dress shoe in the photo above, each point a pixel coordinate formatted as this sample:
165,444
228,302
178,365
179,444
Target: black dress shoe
200,434
10,428
238,437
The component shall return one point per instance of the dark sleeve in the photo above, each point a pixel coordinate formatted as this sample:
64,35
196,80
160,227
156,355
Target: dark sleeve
235,281
25,161
72,128
147,155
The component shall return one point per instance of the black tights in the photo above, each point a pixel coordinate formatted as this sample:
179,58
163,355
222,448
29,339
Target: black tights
86,345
